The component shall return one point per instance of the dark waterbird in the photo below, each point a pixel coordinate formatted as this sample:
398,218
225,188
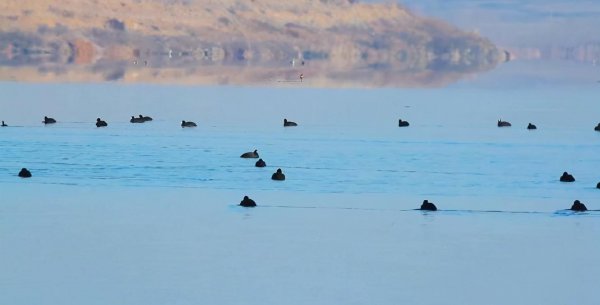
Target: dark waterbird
402,123
597,128
247,202
566,177
598,185
531,126
48,120
4,124
278,175
287,123
428,206
188,124
503,123
250,154
136,120
578,206
260,163
25,173
100,123
145,118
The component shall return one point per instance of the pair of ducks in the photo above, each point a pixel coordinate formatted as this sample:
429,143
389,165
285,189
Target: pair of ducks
140,119
47,120
278,175
501,123
426,206
577,206
507,124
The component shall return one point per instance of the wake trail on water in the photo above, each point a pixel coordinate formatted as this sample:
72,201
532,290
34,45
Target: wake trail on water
447,212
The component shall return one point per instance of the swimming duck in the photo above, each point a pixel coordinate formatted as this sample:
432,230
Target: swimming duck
531,126
260,163
145,118
247,202
25,173
250,154
136,120
3,124
278,175
188,124
287,123
503,123
100,123
566,177
428,206
578,206
597,128
598,185
48,120
402,123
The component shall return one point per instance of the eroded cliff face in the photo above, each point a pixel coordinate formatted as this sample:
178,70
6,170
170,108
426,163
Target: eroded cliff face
332,43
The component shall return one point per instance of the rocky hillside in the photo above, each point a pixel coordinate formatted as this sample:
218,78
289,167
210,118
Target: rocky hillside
261,42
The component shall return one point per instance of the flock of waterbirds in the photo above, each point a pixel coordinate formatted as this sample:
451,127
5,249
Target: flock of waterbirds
577,206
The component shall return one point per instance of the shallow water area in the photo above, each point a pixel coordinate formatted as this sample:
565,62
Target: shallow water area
147,213
95,245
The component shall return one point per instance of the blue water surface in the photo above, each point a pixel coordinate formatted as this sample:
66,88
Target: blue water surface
347,141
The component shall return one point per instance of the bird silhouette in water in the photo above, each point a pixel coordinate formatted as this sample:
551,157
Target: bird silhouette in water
251,154
287,123
578,206
136,120
428,206
25,173
100,123
188,124
260,163
566,177
247,202
278,175
48,120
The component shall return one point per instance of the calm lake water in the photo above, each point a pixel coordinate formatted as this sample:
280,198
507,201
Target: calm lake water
146,213
347,141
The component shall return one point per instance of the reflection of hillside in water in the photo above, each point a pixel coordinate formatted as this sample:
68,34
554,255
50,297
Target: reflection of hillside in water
379,52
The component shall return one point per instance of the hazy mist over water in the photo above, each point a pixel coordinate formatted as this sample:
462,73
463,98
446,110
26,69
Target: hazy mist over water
519,23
